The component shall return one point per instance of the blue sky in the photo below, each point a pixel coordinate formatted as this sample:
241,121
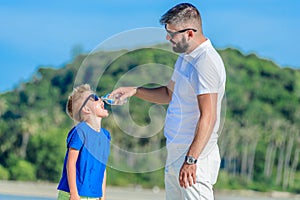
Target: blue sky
42,33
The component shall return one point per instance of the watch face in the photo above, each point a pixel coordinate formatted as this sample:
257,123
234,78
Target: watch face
190,160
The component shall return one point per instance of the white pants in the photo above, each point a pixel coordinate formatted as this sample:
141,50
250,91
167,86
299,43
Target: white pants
206,175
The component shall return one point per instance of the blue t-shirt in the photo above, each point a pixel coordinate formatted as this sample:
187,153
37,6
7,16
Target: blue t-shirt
94,148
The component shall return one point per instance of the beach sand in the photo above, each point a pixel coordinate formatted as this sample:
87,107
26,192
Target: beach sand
43,189
39,189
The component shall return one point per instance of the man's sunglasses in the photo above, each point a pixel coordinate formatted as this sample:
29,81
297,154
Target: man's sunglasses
93,96
172,34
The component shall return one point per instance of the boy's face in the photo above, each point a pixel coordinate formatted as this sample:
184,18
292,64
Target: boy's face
100,109
96,105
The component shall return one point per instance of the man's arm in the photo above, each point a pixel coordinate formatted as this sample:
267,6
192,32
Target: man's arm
159,95
208,108
71,171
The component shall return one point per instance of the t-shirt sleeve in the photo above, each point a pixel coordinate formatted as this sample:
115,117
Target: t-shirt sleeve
106,132
105,146
205,78
75,139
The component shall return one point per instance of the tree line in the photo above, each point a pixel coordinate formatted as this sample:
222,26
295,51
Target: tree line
259,140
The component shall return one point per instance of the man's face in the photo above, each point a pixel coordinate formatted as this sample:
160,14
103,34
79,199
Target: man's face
178,38
180,47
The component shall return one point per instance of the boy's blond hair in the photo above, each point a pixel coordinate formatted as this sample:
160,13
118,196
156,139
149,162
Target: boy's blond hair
75,100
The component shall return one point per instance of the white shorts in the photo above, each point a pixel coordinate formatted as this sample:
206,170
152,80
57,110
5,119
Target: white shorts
206,175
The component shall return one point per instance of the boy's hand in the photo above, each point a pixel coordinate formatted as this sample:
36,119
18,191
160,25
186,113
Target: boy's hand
74,197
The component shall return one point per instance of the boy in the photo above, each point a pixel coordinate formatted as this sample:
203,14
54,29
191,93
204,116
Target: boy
84,174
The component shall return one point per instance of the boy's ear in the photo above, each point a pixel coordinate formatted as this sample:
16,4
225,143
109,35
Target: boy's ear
86,109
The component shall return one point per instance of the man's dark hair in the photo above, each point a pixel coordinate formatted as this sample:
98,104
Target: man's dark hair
181,13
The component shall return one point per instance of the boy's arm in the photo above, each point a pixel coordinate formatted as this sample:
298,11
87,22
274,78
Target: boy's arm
71,171
103,187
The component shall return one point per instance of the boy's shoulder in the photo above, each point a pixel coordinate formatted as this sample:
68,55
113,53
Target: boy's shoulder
106,132
78,128
81,125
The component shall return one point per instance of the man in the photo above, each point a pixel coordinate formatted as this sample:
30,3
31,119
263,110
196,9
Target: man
194,95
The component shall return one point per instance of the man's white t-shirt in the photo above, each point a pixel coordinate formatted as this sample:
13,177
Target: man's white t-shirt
199,72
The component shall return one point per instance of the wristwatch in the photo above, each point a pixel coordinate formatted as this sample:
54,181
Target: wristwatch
190,160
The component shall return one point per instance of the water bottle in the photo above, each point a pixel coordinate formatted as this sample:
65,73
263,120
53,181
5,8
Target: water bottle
114,99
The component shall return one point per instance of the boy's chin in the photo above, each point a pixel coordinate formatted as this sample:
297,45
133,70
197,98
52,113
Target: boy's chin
105,115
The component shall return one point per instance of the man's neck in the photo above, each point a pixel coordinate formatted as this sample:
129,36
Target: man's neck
196,43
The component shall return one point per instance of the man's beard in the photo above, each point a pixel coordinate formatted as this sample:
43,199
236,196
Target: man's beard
181,47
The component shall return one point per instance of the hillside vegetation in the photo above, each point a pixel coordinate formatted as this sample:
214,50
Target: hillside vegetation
259,142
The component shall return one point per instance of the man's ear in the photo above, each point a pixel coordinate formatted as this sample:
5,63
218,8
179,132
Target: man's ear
191,33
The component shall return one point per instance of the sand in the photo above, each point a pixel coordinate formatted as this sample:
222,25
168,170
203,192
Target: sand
44,189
